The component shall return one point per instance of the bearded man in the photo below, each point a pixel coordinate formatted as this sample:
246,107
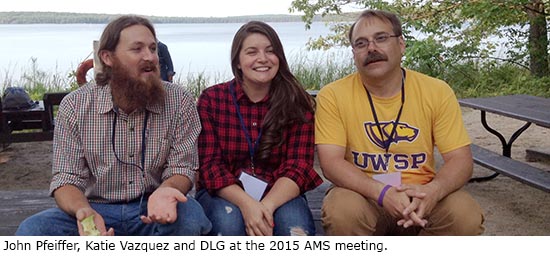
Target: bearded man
125,147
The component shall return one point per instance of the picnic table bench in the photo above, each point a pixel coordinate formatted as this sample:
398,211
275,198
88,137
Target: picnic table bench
532,110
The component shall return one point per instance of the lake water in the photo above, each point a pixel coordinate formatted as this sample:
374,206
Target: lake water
59,48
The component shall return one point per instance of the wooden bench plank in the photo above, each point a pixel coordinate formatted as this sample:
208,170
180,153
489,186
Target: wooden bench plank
515,169
15,206
315,201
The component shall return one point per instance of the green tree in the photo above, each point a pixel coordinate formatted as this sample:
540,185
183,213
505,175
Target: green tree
452,31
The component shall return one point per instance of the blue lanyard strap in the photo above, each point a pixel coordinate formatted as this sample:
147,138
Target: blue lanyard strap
251,147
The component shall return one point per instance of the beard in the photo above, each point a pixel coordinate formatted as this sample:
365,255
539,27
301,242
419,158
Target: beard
132,93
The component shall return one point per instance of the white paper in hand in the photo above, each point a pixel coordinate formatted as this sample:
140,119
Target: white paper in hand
253,186
392,179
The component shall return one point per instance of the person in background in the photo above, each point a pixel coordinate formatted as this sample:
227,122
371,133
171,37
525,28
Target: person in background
257,143
375,132
125,147
165,61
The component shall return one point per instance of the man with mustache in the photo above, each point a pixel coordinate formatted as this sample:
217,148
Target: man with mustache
376,131
125,147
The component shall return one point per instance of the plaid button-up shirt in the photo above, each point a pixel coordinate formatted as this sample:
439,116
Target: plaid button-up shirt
83,148
224,150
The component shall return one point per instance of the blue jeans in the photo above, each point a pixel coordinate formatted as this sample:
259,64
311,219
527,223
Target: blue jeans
123,218
293,217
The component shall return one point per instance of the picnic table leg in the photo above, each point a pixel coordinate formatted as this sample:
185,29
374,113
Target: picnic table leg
506,145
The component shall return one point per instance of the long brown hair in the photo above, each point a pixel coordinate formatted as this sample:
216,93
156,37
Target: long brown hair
110,38
288,102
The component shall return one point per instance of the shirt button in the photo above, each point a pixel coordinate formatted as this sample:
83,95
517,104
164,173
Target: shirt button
131,155
131,182
254,124
131,129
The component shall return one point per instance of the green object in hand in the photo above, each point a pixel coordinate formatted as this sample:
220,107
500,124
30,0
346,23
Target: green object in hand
89,227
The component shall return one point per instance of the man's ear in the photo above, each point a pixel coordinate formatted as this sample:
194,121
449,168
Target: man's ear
106,57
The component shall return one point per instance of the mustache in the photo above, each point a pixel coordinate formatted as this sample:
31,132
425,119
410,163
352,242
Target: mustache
374,57
148,65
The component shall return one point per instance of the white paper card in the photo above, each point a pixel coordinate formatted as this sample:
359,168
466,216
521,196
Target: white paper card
253,186
392,179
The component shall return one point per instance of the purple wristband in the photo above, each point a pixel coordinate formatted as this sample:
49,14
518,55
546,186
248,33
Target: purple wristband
382,194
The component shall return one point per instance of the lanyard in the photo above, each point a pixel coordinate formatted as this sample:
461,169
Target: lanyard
143,142
387,143
251,147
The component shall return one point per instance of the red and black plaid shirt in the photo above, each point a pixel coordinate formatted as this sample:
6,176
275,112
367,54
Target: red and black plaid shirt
223,148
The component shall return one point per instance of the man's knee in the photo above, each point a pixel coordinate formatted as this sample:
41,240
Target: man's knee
40,224
457,214
346,212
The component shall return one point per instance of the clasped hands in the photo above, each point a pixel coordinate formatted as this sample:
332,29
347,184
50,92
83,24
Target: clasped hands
411,204
258,218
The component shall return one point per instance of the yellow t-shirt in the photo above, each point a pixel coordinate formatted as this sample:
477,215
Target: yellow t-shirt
431,117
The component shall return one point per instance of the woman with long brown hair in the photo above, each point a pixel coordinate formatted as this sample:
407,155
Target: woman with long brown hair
256,147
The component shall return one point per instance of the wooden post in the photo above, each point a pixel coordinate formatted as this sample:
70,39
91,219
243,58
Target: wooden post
97,62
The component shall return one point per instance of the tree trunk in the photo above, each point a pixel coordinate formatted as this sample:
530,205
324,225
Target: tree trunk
538,39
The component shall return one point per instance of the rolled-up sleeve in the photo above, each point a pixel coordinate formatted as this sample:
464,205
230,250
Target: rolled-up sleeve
183,157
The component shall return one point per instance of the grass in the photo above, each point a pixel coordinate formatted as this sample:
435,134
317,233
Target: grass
37,81
468,80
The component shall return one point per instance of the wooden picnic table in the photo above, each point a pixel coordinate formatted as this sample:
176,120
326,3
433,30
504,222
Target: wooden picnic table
36,123
532,110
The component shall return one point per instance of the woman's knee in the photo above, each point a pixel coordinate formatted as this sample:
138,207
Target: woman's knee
294,218
226,218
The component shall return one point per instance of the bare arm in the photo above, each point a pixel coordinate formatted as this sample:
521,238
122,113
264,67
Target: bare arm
343,174
454,174
282,191
180,182
70,199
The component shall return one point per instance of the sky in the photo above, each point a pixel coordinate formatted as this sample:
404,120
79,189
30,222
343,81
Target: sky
185,8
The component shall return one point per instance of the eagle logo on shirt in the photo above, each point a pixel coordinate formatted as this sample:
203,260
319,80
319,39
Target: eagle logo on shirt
403,132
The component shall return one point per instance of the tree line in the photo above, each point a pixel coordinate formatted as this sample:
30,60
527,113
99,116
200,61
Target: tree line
92,18
456,30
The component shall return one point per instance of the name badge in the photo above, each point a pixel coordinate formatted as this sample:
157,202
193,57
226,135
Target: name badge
253,186
392,179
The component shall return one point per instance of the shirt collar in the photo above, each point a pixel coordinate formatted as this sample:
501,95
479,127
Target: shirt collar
240,93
